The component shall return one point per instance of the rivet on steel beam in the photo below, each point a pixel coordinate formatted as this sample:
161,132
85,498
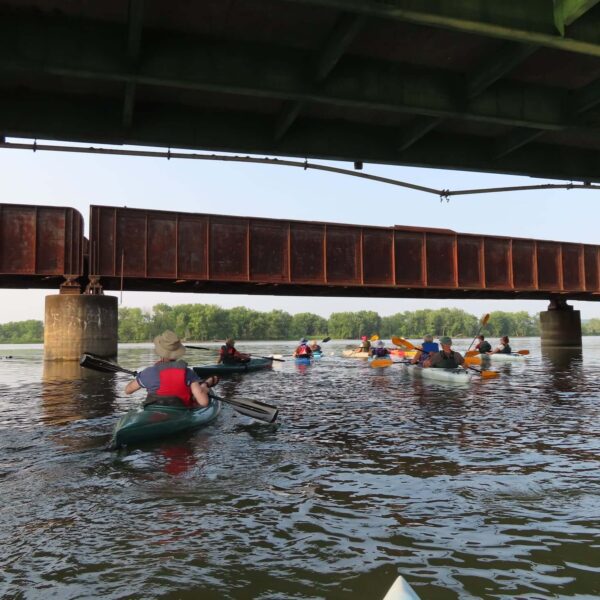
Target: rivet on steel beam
358,165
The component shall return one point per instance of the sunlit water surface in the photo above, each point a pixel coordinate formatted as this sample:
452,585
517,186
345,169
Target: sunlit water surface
485,491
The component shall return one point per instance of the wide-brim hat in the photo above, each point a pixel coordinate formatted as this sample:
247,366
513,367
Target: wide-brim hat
446,341
168,345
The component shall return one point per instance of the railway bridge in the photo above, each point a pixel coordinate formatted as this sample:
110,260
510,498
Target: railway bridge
147,250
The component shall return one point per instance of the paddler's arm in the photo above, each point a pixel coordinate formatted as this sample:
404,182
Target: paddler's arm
132,386
200,393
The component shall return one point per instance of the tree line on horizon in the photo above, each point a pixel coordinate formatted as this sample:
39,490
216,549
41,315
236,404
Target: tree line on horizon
210,322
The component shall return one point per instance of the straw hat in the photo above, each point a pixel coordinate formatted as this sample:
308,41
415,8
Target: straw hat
168,345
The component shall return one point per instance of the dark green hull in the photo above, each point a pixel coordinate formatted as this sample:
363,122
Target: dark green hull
154,422
255,364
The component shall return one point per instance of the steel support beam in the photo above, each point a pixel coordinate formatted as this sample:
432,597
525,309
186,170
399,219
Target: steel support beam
256,71
529,22
134,42
515,140
567,12
417,129
345,30
92,120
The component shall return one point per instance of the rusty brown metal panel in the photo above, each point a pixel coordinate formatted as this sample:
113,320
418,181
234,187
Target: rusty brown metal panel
497,255
409,251
592,279
228,253
50,244
377,256
549,267
268,251
192,245
469,261
102,239
307,253
572,267
441,260
343,254
131,244
17,240
162,245
40,240
523,264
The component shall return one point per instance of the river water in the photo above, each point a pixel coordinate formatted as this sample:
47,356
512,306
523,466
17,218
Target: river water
485,491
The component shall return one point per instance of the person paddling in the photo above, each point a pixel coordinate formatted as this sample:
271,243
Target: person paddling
446,358
428,348
503,347
314,346
229,355
483,346
380,351
170,382
365,344
303,350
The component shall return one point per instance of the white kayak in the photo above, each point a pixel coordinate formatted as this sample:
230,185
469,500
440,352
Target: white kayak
458,375
400,590
355,354
512,357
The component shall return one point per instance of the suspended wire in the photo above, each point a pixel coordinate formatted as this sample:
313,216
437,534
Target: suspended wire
443,194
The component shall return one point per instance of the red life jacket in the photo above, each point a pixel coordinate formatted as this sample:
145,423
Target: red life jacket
172,382
303,350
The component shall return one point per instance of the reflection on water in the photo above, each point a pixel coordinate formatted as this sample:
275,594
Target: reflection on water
485,491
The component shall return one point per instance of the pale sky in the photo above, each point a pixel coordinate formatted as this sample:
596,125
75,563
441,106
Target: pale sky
79,180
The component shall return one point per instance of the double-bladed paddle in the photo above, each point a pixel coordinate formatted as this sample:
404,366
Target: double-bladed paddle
251,408
398,341
476,353
212,349
482,324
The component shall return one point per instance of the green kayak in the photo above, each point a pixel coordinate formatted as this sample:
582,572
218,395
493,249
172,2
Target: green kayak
154,422
254,364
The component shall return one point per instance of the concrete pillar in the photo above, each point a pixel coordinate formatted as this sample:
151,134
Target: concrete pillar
75,324
560,326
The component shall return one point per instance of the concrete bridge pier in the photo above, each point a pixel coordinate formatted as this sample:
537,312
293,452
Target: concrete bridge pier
78,323
560,325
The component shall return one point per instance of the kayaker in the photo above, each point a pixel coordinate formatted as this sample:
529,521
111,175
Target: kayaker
428,347
303,350
483,346
503,347
229,355
446,358
365,344
380,351
314,346
170,381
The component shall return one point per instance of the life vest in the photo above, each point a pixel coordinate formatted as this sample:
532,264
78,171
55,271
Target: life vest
228,354
506,350
303,350
484,347
380,352
429,348
447,362
173,389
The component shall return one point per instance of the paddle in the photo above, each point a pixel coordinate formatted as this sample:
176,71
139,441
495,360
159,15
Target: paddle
257,356
476,353
482,324
252,408
484,374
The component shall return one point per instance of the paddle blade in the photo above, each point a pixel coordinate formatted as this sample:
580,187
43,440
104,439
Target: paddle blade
399,341
471,353
489,374
472,360
381,362
251,408
523,352
325,340
104,366
198,347
485,319
374,337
